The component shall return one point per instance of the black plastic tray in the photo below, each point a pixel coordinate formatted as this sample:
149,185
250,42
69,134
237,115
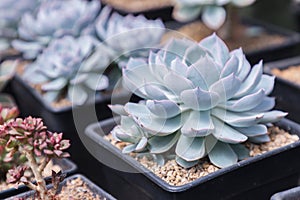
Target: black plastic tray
67,166
287,92
93,187
257,178
268,53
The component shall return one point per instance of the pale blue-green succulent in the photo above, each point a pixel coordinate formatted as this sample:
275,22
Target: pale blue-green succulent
127,34
213,12
11,12
69,66
54,19
198,97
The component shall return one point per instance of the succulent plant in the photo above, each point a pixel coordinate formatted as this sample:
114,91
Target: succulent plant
70,68
126,34
10,14
199,97
213,12
29,137
54,19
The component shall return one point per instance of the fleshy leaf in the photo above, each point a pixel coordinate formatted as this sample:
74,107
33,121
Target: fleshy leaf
198,124
225,133
217,48
184,163
214,16
272,116
246,103
77,95
163,108
222,155
253,131
226,87
161,144
199,99
260,139
237,119
190,148
241,151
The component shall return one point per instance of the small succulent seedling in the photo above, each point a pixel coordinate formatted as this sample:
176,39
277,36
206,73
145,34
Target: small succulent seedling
69,68
198,97
10,14
213,11
30,137
127,34
54,19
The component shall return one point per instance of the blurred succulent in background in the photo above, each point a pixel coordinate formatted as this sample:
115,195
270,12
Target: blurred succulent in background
69,68
10,14
213,11
201,98
128,34
30,138
54,19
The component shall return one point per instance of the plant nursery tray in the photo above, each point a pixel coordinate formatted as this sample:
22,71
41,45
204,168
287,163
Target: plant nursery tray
287,92
67,166
93,187
257,177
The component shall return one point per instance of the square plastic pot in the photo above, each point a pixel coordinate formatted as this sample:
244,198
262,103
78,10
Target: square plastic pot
287,92
255,178
67,166
267,53
92,186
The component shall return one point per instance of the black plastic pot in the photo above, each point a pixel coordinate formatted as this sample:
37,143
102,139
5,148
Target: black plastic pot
255,178
287,92
93,187
164,13
290,194
67,166
268,53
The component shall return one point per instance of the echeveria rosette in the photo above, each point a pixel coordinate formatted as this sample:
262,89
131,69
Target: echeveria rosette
213,11
10,14
69,65
54,19
201,97
125,34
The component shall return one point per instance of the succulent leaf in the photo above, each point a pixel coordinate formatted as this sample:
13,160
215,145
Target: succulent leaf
190,148
222,155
